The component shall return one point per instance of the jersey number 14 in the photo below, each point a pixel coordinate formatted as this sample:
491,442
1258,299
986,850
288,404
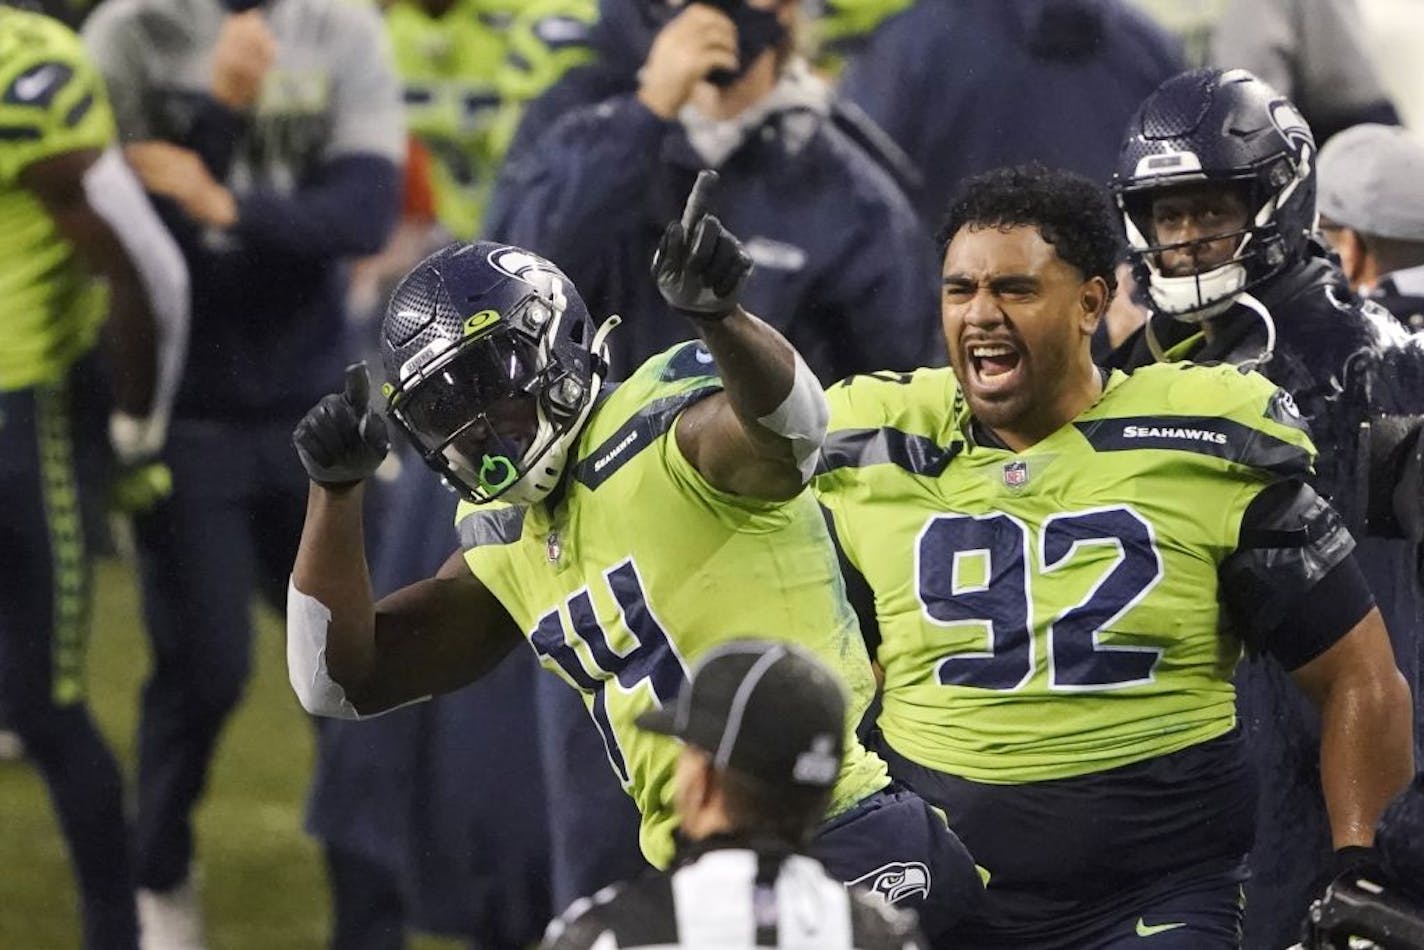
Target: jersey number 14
652,659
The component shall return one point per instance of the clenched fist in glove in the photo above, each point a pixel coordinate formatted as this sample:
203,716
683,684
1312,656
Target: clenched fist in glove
700,266
340,440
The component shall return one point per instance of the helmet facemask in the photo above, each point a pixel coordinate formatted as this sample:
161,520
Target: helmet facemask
1230,130
496,412
1209,287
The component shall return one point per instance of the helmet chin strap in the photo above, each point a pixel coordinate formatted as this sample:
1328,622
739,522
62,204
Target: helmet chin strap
1261,310
544,472
1249,301
599,346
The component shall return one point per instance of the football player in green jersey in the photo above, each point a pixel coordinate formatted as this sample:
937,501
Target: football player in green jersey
76,396
624,531
1067,564
467,68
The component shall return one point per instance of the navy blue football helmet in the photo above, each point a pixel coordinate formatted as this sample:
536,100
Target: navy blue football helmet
1218,127
492,365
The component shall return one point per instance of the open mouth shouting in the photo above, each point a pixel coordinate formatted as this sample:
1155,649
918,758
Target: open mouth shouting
994,366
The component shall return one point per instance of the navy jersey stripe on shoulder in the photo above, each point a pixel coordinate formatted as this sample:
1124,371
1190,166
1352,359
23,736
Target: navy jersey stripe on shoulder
690,361
1203,435
38,85
858,448
635,435
495,526
79,110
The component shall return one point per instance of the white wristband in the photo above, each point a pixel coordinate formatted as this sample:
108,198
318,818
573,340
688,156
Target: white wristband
308,621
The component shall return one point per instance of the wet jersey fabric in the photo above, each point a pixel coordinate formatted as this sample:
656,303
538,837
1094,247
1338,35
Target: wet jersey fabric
1052,613
640,567
51,102
1343,360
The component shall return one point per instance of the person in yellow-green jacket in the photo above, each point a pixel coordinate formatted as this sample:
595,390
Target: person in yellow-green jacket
467,67
79,400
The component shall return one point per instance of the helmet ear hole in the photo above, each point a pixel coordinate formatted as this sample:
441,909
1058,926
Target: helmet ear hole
564,397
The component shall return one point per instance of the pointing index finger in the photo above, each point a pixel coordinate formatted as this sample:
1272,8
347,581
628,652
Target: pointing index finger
699,200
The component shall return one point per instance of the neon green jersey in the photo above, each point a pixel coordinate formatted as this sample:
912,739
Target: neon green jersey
449,67
51,102
642,567
1054,612
467,75
851,19
546,39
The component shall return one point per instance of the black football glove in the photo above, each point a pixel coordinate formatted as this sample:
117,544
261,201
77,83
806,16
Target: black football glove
340,440
1347,865
700,266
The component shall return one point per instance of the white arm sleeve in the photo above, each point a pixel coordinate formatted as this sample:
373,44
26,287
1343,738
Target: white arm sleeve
308,620
116,196
802,418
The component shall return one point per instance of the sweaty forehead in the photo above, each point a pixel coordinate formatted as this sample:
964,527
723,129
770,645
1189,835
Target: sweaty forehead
979,252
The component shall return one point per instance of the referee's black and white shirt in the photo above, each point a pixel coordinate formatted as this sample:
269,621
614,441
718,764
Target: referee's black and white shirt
729,893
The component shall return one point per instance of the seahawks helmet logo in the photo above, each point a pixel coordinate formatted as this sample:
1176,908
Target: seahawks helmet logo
897,881
1291,124
530,268
533,270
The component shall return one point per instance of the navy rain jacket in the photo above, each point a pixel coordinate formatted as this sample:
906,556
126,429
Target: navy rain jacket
842,266
1343,361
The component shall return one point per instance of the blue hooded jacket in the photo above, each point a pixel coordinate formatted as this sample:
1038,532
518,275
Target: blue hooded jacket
842,265
965,86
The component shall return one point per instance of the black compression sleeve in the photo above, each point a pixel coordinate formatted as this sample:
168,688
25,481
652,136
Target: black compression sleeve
1291,587
1327,612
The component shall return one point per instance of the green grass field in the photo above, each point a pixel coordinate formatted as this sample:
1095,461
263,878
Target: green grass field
263,884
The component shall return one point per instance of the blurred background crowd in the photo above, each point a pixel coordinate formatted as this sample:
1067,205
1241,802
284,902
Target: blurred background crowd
303,154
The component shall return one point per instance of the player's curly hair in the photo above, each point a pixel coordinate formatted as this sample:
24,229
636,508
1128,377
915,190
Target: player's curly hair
1069,211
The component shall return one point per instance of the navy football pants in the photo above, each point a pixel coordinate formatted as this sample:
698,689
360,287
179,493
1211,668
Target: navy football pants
230,529
53,456
1121,889
895,844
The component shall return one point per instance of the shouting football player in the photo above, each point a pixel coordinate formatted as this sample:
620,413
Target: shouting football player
1066,565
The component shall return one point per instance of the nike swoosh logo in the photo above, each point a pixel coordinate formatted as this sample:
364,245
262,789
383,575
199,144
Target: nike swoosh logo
34,85
1145,929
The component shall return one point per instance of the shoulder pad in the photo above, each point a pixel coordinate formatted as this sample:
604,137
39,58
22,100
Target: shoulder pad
1212,410
909,420
889,397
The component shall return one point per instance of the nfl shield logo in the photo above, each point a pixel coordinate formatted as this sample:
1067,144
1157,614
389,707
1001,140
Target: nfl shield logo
1016,474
